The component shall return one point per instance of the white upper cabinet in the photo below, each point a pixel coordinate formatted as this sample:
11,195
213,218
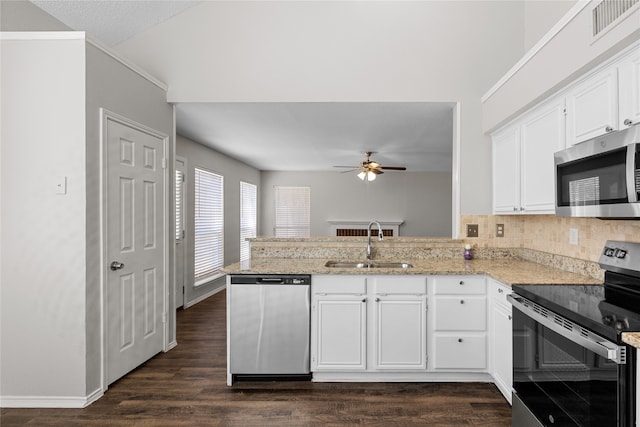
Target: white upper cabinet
523,177
592,107
506,170
608,100
629,89
542,136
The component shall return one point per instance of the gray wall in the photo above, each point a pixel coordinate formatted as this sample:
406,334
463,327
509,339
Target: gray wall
199,156
50,341
112,86
421,199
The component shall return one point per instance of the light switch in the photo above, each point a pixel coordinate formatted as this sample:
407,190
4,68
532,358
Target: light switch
61,184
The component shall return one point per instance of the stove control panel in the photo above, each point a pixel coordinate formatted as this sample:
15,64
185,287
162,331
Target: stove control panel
617,256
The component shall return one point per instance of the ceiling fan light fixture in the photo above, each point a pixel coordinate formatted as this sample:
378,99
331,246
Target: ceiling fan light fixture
367,176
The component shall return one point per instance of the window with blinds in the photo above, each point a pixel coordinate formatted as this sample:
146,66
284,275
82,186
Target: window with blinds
179,205
293,206
248,217
209,224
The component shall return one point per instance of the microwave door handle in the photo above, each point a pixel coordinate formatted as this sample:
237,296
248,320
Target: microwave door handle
632,193
601,347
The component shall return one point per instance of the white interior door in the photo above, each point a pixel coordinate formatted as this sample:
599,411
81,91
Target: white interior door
135,246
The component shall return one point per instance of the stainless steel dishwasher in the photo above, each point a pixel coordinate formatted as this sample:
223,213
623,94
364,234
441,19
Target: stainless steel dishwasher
269,326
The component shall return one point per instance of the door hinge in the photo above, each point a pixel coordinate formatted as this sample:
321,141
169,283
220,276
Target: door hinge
564,111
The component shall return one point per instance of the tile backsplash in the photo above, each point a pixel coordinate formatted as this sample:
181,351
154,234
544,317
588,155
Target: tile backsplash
548,233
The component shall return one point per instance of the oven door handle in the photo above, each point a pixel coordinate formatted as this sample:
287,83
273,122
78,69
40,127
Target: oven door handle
569,330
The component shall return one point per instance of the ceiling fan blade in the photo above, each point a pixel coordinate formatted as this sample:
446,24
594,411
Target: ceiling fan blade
376,171
350,170
352,167
394,168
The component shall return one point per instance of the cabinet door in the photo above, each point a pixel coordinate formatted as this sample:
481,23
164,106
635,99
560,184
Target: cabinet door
542,135
338,333
506,170
502,350
592,107
629,90
400,332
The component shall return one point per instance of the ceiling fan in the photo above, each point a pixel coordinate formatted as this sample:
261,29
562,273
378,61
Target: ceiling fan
369,169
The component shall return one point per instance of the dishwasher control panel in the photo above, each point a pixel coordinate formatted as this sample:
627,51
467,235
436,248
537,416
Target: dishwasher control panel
271,279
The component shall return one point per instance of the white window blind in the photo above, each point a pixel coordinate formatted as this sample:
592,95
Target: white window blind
179,205
293,205
209,224
248,217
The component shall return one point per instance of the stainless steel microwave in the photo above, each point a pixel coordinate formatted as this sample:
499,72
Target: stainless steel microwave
600,177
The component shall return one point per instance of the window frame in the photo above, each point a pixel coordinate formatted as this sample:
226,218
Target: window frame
248,218
209,217
292,215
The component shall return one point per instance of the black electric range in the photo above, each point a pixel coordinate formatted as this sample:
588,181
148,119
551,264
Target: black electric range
570,366
607,309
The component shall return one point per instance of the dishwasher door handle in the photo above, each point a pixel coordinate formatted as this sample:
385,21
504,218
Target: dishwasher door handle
269,280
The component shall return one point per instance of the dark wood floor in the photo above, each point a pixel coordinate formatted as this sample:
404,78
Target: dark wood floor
186,387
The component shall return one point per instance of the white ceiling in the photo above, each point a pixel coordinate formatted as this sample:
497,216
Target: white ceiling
281,136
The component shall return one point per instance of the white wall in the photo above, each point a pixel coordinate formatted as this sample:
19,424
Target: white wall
343,51
568,55
199,156
421,199
540,16
43,234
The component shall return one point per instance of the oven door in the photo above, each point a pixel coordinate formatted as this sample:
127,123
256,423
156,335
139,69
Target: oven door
563,376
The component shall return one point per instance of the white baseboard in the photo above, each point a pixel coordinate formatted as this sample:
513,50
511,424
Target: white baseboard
49,401
205,296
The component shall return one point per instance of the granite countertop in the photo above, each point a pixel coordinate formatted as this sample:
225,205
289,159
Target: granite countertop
632,338
508,271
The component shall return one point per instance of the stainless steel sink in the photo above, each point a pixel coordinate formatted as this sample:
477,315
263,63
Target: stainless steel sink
347,264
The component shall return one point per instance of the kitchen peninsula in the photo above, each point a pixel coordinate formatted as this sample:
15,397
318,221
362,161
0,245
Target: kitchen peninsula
442,319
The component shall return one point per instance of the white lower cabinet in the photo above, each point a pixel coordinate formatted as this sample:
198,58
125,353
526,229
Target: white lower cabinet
368,323
400,324
460,323
340,332
501,338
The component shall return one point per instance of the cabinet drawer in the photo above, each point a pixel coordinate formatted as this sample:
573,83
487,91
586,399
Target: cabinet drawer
337,284
399,285
498,293
463,313
456,285
460,352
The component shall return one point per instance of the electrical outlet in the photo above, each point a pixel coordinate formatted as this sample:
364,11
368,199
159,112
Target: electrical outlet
573,236
472,230
499,230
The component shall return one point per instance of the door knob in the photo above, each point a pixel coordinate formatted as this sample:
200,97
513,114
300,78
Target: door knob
115,265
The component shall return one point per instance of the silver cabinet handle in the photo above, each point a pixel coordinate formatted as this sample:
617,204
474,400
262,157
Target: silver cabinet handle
628,122
461,282
608,129
500,291
377,299
364,300
461,301
116,265
459,339
515,209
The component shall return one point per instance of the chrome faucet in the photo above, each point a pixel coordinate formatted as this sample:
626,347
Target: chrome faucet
380,237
